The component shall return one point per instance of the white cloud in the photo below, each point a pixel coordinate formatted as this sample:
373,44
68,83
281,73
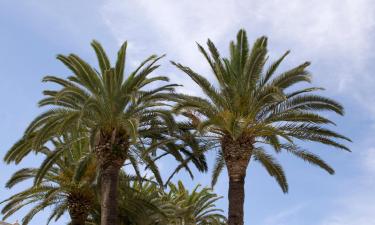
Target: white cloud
359,212
369,161
357,208
357,204
285,217
335,34
324,28
172,26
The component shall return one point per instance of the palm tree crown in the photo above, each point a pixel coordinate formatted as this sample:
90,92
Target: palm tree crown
254,107
197,207
103,103
67,186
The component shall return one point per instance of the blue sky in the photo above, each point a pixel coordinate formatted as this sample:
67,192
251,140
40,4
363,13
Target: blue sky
336,35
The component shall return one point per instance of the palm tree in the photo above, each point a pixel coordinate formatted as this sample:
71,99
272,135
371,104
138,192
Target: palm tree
114,111
140,203
252,108
146,203
68,186
197,207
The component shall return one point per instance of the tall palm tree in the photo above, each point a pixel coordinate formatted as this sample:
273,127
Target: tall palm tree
114,111
252,108
68,186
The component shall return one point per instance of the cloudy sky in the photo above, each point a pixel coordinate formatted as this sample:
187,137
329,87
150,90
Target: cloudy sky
338,36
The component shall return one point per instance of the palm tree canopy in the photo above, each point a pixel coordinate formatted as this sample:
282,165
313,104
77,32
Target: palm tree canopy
100,103
255,102
93,104
69,180
197,207
144,202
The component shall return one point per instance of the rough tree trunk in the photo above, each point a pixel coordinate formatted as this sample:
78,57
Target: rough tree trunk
79,205
109,183
237,154
78,219
111,153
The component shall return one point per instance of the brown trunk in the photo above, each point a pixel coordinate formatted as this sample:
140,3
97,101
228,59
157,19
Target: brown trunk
78,220
109,183
111,153
79,205
237,154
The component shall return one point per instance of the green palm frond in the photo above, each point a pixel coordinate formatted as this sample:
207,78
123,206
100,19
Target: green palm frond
218,167
273,168
72,171
256,101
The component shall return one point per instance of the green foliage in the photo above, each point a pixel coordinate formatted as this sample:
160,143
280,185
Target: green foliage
194,208
72,173
145,203
254,101
141,201
94,104
107,104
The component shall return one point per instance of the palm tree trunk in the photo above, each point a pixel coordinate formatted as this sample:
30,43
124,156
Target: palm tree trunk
78,220
236,197
109,204
111,153
237,154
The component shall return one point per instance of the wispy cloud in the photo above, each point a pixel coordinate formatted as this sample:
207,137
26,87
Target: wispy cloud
369,161
322,30
285,217
357,207
354,206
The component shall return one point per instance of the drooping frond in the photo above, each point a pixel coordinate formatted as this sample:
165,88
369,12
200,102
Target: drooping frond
308,157
218,167
273,168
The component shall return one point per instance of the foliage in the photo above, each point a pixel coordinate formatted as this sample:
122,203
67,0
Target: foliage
252,100
72,176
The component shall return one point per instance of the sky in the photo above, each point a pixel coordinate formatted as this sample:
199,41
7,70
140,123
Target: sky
337,36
